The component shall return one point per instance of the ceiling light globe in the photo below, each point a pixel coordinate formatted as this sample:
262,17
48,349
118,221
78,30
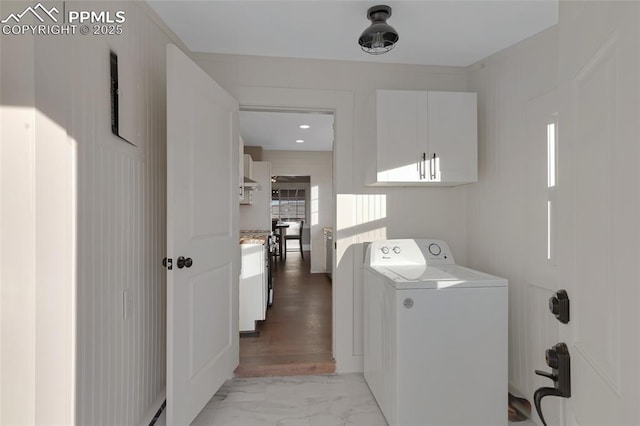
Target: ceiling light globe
379,37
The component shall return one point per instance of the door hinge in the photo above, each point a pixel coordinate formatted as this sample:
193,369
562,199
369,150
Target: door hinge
167,263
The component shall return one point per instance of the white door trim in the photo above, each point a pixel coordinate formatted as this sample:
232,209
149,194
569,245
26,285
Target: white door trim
341,103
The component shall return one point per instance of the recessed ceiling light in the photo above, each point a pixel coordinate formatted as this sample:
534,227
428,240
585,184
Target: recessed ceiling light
299,141
304,126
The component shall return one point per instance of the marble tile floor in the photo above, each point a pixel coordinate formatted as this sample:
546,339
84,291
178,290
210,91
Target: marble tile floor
342,399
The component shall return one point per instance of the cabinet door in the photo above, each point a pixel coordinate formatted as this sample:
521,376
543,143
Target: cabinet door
241,170
248,166
402,132
452,137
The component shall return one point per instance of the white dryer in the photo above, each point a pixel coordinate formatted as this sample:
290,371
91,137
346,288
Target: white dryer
435,336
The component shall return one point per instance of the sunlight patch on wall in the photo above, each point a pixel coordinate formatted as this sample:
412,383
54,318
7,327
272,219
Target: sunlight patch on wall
360,218
360,209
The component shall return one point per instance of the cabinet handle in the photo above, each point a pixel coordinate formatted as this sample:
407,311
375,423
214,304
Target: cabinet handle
424,161
432,167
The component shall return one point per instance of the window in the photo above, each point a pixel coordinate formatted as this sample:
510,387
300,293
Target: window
552,165
288,205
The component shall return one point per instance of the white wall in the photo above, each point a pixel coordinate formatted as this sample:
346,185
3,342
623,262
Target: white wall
319,167
83,219
258,214
365,213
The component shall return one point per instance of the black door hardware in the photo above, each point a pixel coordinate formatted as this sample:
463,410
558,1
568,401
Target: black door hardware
432,167
167,263
559,306
559,360
115,93
184,263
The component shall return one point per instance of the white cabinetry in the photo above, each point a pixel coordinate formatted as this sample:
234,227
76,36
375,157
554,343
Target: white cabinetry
247,165
426,138
328,243
253,292
247,171
241,170
258,214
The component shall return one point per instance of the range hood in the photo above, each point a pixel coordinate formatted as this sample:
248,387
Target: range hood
251,185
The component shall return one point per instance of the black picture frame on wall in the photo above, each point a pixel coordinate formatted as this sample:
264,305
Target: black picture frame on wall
115,103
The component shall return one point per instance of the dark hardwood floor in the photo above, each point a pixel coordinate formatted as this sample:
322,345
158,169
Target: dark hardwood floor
295,339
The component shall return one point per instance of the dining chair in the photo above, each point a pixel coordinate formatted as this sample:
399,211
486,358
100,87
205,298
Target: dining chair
294,232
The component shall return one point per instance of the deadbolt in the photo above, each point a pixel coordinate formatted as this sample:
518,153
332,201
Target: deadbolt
559,306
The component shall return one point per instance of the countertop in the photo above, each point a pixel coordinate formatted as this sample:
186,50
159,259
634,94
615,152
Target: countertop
254,236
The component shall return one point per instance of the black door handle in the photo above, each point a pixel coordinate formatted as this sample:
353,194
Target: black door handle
184,262
559,360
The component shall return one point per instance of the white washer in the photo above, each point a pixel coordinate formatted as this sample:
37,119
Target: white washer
435,336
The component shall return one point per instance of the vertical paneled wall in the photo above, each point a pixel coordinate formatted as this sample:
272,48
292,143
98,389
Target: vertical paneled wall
121,221
507,208
92,224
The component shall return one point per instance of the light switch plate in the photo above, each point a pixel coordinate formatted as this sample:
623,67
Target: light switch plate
127,304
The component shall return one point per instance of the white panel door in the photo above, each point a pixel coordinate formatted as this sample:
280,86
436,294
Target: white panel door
598,202
541,270
202,225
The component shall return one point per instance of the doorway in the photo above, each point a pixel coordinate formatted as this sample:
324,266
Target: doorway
296,336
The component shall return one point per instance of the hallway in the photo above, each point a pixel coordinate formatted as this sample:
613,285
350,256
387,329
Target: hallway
295,339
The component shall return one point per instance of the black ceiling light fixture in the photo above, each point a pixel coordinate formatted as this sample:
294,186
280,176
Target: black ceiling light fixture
379,37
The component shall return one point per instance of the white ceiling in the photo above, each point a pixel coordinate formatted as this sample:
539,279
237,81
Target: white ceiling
432,32
445,32
279,130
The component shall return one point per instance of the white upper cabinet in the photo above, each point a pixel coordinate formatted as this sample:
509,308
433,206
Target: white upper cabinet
247,172
241,169
426,138
247,166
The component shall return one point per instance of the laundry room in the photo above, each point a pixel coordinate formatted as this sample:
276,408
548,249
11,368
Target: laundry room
502,135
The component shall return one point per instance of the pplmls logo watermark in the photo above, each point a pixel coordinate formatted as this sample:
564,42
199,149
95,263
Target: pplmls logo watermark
38,11
69,22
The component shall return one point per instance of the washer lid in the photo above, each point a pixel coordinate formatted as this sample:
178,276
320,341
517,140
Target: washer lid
440,277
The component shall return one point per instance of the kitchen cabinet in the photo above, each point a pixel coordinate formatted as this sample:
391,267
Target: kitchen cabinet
247,197
254,291
328,244
247,172
426,138
258,214
247,166
241,170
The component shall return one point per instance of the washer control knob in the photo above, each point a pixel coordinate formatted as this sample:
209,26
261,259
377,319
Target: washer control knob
385,250
396,250
435,249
